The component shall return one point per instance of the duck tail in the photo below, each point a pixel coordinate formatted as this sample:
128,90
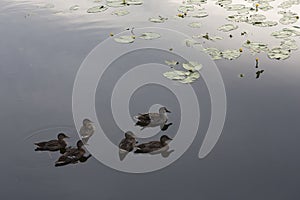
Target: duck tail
139,151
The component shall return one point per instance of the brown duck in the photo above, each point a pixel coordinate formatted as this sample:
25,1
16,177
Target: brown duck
53,145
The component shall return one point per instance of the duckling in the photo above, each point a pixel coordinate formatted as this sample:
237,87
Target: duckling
53,145
153,146
87,130
72,155
153,119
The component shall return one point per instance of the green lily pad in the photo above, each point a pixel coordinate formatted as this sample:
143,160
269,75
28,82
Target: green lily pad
73,8
234,7
191,78
231,54
125,39
223,3
149,36
256,47
171,62
158,19
120,12
263,5
214,53
192,66
279,53
97,9
186,8
288,17
227,27
134,2
200,14
289,44
195,24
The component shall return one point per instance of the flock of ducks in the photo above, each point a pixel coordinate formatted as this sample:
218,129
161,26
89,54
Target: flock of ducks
73,155
70,155
144,120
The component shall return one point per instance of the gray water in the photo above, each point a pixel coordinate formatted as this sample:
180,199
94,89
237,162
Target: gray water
257,156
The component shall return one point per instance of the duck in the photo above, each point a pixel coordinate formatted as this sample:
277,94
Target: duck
127,145
72,155
153,119
53,145
87,130
154,146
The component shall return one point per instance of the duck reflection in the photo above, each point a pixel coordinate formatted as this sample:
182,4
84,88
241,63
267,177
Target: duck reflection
73,155
53,145
87,130
127,145
156,147
153,119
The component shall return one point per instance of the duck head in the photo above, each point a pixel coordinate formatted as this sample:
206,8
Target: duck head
165,139
79,144
129,135
164,110
62,136
86,122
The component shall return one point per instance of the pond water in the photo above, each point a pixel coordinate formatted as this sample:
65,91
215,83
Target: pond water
42,46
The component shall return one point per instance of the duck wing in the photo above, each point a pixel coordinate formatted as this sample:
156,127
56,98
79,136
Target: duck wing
148,147
127,144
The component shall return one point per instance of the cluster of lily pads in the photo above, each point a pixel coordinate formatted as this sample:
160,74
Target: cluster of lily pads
188,74
126,39
250,15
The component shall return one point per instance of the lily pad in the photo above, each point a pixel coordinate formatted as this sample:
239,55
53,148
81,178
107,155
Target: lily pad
231,54
158,19
120,12
200,14
134,2
186,8
125,39
289,44
195,25
214,53
192,66
191,78
171,62
256,47
279,53
234,7
97,9
208,37
149,36
73,8
227,27
288,17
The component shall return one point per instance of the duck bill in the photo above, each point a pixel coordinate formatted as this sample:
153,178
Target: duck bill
168,111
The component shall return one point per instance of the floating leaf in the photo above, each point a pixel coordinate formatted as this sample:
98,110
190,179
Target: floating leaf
208,37
73,8
120,12
227,27
256,47
134,2
288,17
234,7
192,66
149,36
279,53
231,54
214,53
158,19
97,9
171,62
125,39
195,25
200,14
185,8
193,76
289,44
